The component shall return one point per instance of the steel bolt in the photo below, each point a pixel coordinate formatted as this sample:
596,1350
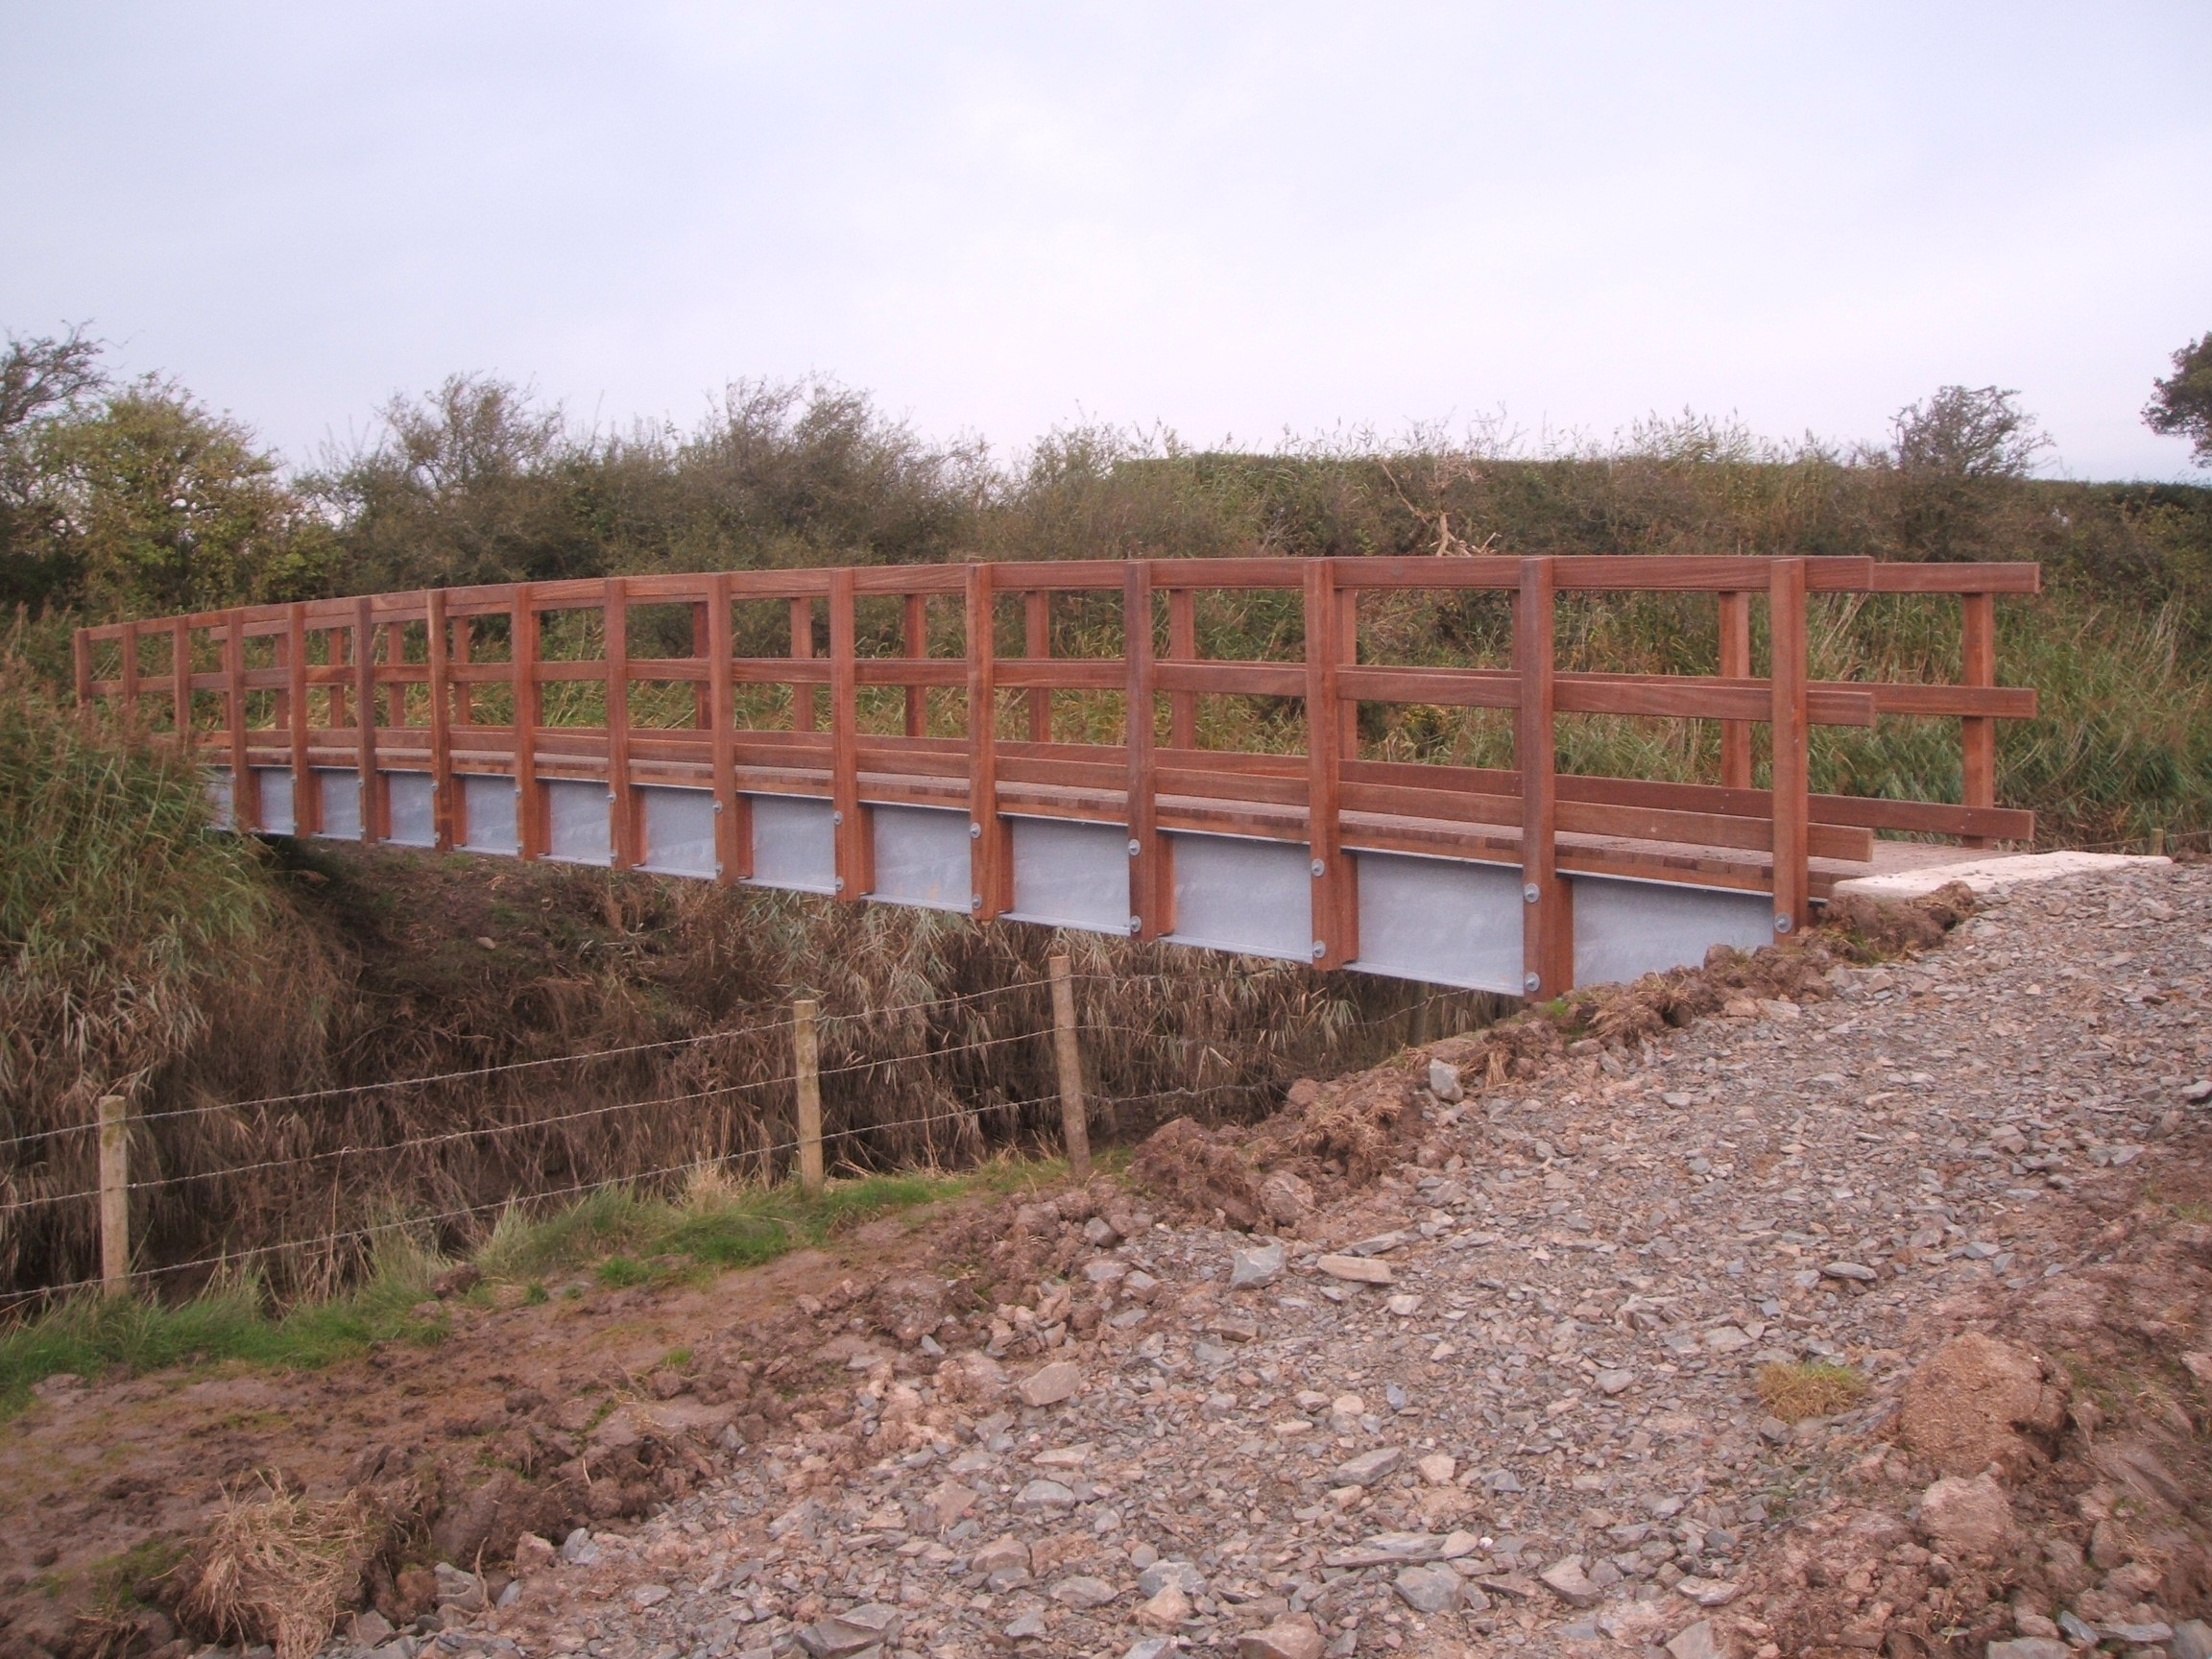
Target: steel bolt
1134,849
1783,923
836,818
1531,982
1319,869
975,831
1320,950
1136,924
1532,893
974,900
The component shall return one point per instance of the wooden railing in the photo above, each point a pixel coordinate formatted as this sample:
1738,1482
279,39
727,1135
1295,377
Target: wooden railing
395,684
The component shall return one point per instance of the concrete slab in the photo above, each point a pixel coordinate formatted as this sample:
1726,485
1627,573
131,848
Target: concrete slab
1989,875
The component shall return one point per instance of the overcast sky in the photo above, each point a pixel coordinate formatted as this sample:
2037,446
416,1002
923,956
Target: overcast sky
1235,220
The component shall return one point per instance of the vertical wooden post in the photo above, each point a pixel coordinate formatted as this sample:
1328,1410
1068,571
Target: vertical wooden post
464,693
1736,664
81,659
1336,916
1977,733
244,799
131,673
1546,918
615,626
803,648
1036,642
855,873
114,1195
364,713
180,667
1787,674
989,873
806,1067
1148,896
304,792
1182,646
523,653
1074,1116
915,628
701,632
443,815
732,814
1347,606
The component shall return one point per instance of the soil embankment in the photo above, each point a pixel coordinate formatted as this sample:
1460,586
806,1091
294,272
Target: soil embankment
1864,1313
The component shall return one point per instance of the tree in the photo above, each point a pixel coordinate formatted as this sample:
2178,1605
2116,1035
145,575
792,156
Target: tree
1954,461
43,381
1968,432
2181,407
162,506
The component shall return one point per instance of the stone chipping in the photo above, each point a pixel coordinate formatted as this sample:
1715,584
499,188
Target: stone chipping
1504,1398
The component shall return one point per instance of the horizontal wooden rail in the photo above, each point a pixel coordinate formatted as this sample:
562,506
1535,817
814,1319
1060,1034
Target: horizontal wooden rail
553,682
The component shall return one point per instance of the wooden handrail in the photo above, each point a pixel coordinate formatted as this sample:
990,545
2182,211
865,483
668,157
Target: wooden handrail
1155,779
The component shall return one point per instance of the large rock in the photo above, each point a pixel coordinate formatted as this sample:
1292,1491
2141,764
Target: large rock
2030,1647
1369,1467
2192,1640
1967,1517
850,1631
1256,1267
1294,1637
1429,1589
1978,1402
1700,1641
1050,1385
1569,1581
1287,1199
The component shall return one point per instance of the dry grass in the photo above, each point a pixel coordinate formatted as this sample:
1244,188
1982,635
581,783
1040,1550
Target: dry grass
1808,1389
278,1567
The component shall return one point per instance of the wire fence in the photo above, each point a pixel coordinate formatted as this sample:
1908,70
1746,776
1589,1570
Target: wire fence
770,1144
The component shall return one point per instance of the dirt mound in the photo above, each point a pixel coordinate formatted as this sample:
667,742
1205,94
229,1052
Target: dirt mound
2017,1488
1198,1174
1980,1402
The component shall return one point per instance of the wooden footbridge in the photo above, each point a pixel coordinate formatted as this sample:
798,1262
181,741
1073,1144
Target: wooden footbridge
612,722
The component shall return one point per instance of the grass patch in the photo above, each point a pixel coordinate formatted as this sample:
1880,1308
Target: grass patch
1810,1389
618,1236
91,1335
624,1237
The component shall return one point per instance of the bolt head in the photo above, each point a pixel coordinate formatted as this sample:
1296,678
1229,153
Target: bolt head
1134,849
1319,869
1530,894
837,885
836,818
1783,923
1136,924
975,831
1320,950
1531,982
974,900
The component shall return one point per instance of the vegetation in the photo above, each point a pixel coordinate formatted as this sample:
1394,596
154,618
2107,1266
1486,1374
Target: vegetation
185,971
618,1235
1795,1390
2182,406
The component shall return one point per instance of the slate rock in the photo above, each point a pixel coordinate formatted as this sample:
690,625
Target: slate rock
2192,1640
1700,1641
1294,1637
1050,1385
1180,1574
1429,1589
1567,1579
2029,1648
1262,1265
1369,1467
1357,1269
1084,1592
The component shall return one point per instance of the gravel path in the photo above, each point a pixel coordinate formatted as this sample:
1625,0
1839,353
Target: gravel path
1542,1432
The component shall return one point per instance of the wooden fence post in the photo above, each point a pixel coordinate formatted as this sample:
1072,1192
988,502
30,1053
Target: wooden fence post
1978,735
1075,1121
806,1054
1547,911
1785,673
114,1195
1736,664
